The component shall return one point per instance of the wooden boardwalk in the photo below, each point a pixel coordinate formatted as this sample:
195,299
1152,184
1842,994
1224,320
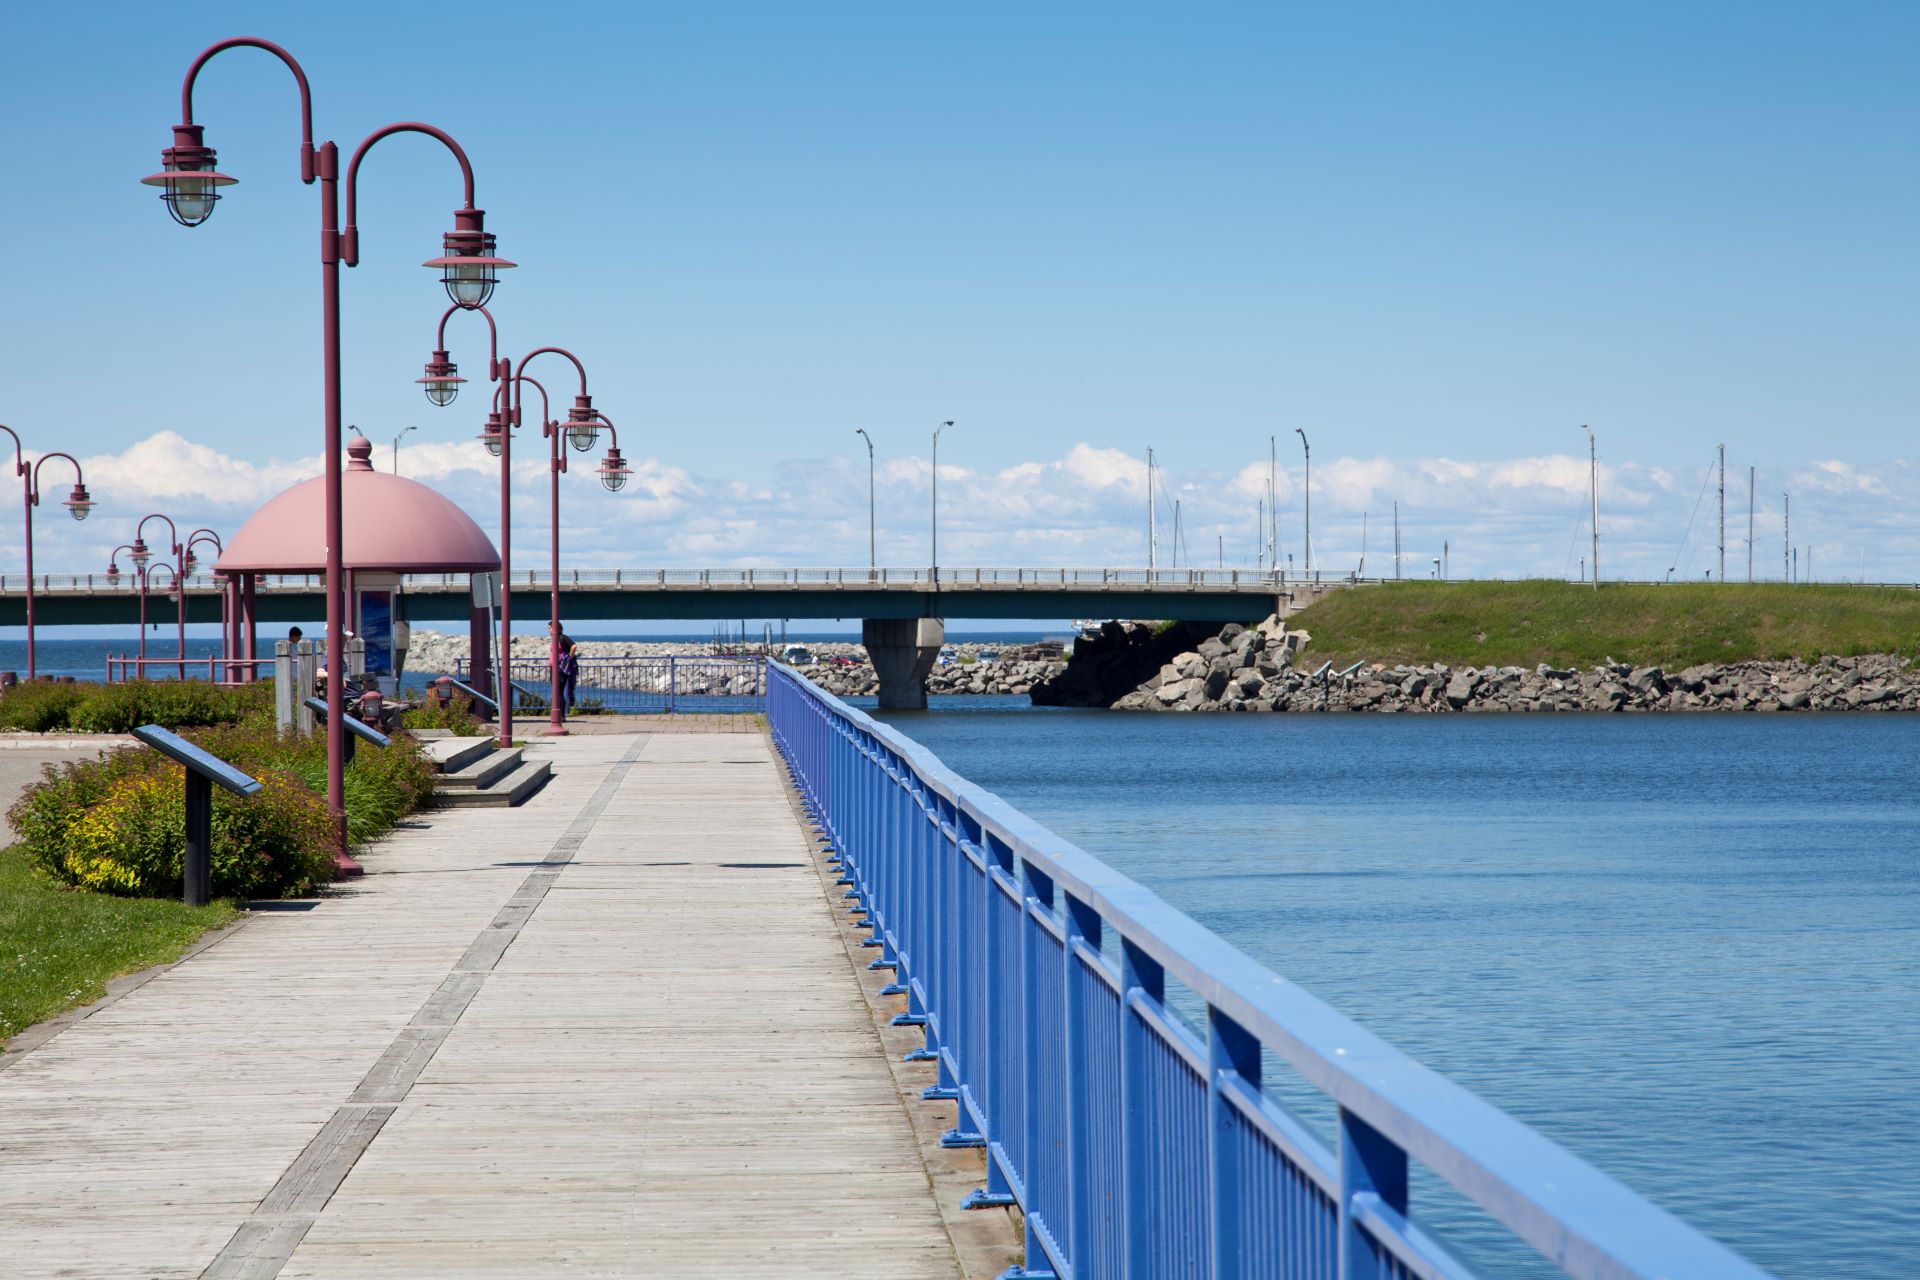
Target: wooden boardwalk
611,1033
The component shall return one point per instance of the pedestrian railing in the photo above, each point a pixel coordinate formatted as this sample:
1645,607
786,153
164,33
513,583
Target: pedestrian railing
1045,981
653,686
214,668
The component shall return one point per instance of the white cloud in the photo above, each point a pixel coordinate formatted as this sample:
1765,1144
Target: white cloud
1496,517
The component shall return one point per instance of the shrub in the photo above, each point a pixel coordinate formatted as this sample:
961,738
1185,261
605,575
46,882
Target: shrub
132,842
118,824
39,706
116,708
457,716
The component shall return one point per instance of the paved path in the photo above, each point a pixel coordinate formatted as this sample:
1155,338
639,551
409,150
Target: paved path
613,1032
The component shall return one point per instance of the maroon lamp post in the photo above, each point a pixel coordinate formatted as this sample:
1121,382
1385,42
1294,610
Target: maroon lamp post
180,595
78,502
190,186
581,430
180,556
140,581
190,566
442,384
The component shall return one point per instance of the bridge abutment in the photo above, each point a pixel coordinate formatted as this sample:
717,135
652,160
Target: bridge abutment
902,651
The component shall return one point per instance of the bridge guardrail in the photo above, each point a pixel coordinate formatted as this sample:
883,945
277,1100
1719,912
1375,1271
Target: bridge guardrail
649,686
1134,1146
900,579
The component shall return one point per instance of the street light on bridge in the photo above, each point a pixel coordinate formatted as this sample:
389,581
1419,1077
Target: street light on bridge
469,269
873,561
936,501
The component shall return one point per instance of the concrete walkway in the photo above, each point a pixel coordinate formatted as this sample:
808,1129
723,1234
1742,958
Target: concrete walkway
613,1032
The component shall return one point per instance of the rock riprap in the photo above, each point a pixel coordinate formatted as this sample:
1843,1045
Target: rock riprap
1262,669
841,669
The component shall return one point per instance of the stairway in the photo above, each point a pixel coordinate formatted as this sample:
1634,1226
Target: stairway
476,772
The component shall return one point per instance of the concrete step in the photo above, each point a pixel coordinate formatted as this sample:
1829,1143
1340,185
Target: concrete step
449,754
505,793
487,767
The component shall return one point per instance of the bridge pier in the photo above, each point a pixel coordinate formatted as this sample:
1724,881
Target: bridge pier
902,651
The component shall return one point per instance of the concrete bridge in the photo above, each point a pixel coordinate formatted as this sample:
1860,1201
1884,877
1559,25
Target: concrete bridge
1187,595
902,611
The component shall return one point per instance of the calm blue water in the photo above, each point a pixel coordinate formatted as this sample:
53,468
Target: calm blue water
1686,947
87,659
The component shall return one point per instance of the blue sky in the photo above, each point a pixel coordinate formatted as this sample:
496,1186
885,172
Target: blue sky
1438,237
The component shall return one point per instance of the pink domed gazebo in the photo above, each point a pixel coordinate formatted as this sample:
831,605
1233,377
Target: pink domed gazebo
393,526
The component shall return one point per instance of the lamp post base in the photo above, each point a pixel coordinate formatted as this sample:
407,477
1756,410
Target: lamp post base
555,731
345,868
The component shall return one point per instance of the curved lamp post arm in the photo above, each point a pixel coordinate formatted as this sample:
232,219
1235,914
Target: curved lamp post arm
19,455
548,427
527,359
466,218
139,530
33,483
299,76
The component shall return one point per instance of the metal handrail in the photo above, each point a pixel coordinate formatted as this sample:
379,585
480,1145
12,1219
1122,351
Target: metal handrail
474,694
1132,1145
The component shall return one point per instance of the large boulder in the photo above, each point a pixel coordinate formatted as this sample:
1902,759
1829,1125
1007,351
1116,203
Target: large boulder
1461,687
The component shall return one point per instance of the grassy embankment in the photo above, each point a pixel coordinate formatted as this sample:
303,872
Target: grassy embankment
1563,624
58,947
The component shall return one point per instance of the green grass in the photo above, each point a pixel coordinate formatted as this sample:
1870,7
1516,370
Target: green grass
59,946
1564,624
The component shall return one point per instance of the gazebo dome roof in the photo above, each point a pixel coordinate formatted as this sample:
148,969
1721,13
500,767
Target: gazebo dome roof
392,525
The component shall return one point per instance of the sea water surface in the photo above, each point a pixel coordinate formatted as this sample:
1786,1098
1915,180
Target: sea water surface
1685,947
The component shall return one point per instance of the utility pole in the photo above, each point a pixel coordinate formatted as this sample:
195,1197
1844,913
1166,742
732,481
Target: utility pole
1362,572
1176,534
1786,536
872,559
1396,541
1593,489
1152,543
936,502
1445,549
1723,513
1270,527
1750,524
1221,540
1306,496
396,448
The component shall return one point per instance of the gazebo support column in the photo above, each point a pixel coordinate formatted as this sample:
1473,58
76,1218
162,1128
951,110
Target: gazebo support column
480,667
249,639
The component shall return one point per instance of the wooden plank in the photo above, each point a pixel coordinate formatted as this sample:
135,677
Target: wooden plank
664,1068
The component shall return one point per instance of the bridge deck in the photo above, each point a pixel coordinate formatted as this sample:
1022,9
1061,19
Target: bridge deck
612,1032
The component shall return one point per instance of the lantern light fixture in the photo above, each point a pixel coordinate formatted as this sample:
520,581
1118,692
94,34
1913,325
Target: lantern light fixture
187,179
613,470
442,380
79,503
468,265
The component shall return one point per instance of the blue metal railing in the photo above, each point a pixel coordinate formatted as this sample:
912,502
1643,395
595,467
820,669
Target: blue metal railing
1135,1147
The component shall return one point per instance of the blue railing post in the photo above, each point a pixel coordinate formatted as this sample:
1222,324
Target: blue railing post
1230,1052
1140,976
1370,1166
1082,929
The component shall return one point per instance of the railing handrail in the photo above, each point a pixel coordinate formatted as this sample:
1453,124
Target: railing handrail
1583,1220
962,579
